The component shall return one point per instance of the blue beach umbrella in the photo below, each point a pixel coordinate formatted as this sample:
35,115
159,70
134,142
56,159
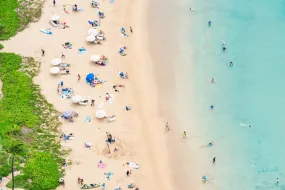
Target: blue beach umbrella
90,77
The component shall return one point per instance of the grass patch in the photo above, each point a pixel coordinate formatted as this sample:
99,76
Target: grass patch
15,15
27,118
1,46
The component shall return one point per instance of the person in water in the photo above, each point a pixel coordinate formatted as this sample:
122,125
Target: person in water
184,135
224,48
209,23
212,107
212,80
231,63
214,160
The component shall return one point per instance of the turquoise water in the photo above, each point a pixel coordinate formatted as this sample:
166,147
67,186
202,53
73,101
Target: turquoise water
251,92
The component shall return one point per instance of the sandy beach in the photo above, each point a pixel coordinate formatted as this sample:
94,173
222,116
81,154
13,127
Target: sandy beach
139,133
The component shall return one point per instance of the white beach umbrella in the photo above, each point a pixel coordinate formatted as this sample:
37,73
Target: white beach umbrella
56,61
92,32
95,58
54,17
76,99
100,114
54,70
90,38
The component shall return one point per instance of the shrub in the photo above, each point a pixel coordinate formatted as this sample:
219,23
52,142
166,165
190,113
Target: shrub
42,169
1,45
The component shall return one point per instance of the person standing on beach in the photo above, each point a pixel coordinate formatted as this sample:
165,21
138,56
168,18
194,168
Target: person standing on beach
78,77
214,160
54,3
131,30
43,52
92,102
62,55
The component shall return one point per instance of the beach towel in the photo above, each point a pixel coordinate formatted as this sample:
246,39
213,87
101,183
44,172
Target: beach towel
81,50
133,165
108,175
99,86
101,165
88,119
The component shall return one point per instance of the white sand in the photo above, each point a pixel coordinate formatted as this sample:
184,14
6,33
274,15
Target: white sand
139,131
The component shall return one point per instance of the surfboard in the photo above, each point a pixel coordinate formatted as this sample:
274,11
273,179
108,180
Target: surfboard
46,31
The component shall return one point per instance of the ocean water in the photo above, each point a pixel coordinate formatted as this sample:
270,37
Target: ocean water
250,92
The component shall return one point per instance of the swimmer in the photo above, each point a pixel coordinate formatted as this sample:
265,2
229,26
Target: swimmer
277,180
224,48
211,144
214,160
223,42
192,9
231,63
212,107
245,125
209,23
212,80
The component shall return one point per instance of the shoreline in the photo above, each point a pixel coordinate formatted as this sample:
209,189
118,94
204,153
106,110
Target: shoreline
148,149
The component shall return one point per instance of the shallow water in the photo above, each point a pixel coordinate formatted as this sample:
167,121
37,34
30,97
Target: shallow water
250,92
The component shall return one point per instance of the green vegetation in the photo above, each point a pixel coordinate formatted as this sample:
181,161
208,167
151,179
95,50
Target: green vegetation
1,46
9,19
28,126
15,15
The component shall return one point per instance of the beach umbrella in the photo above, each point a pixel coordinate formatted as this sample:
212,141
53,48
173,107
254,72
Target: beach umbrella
54,70
95,58
90,77
100,114
76,99
55,61
67,114
90,38
54,17
92,32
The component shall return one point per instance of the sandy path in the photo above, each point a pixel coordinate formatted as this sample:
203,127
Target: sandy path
137,129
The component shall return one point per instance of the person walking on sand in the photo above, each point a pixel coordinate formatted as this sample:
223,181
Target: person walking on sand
43,52
167,127
81,181
62,55
54,3
214,160
78,77
184,135
92,102
78,180
131,30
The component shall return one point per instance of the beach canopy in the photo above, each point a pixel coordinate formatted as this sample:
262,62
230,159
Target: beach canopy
54,17
90,77
92,32
90,38
56,61
76,99
95,58
67,114
54,70
100,114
